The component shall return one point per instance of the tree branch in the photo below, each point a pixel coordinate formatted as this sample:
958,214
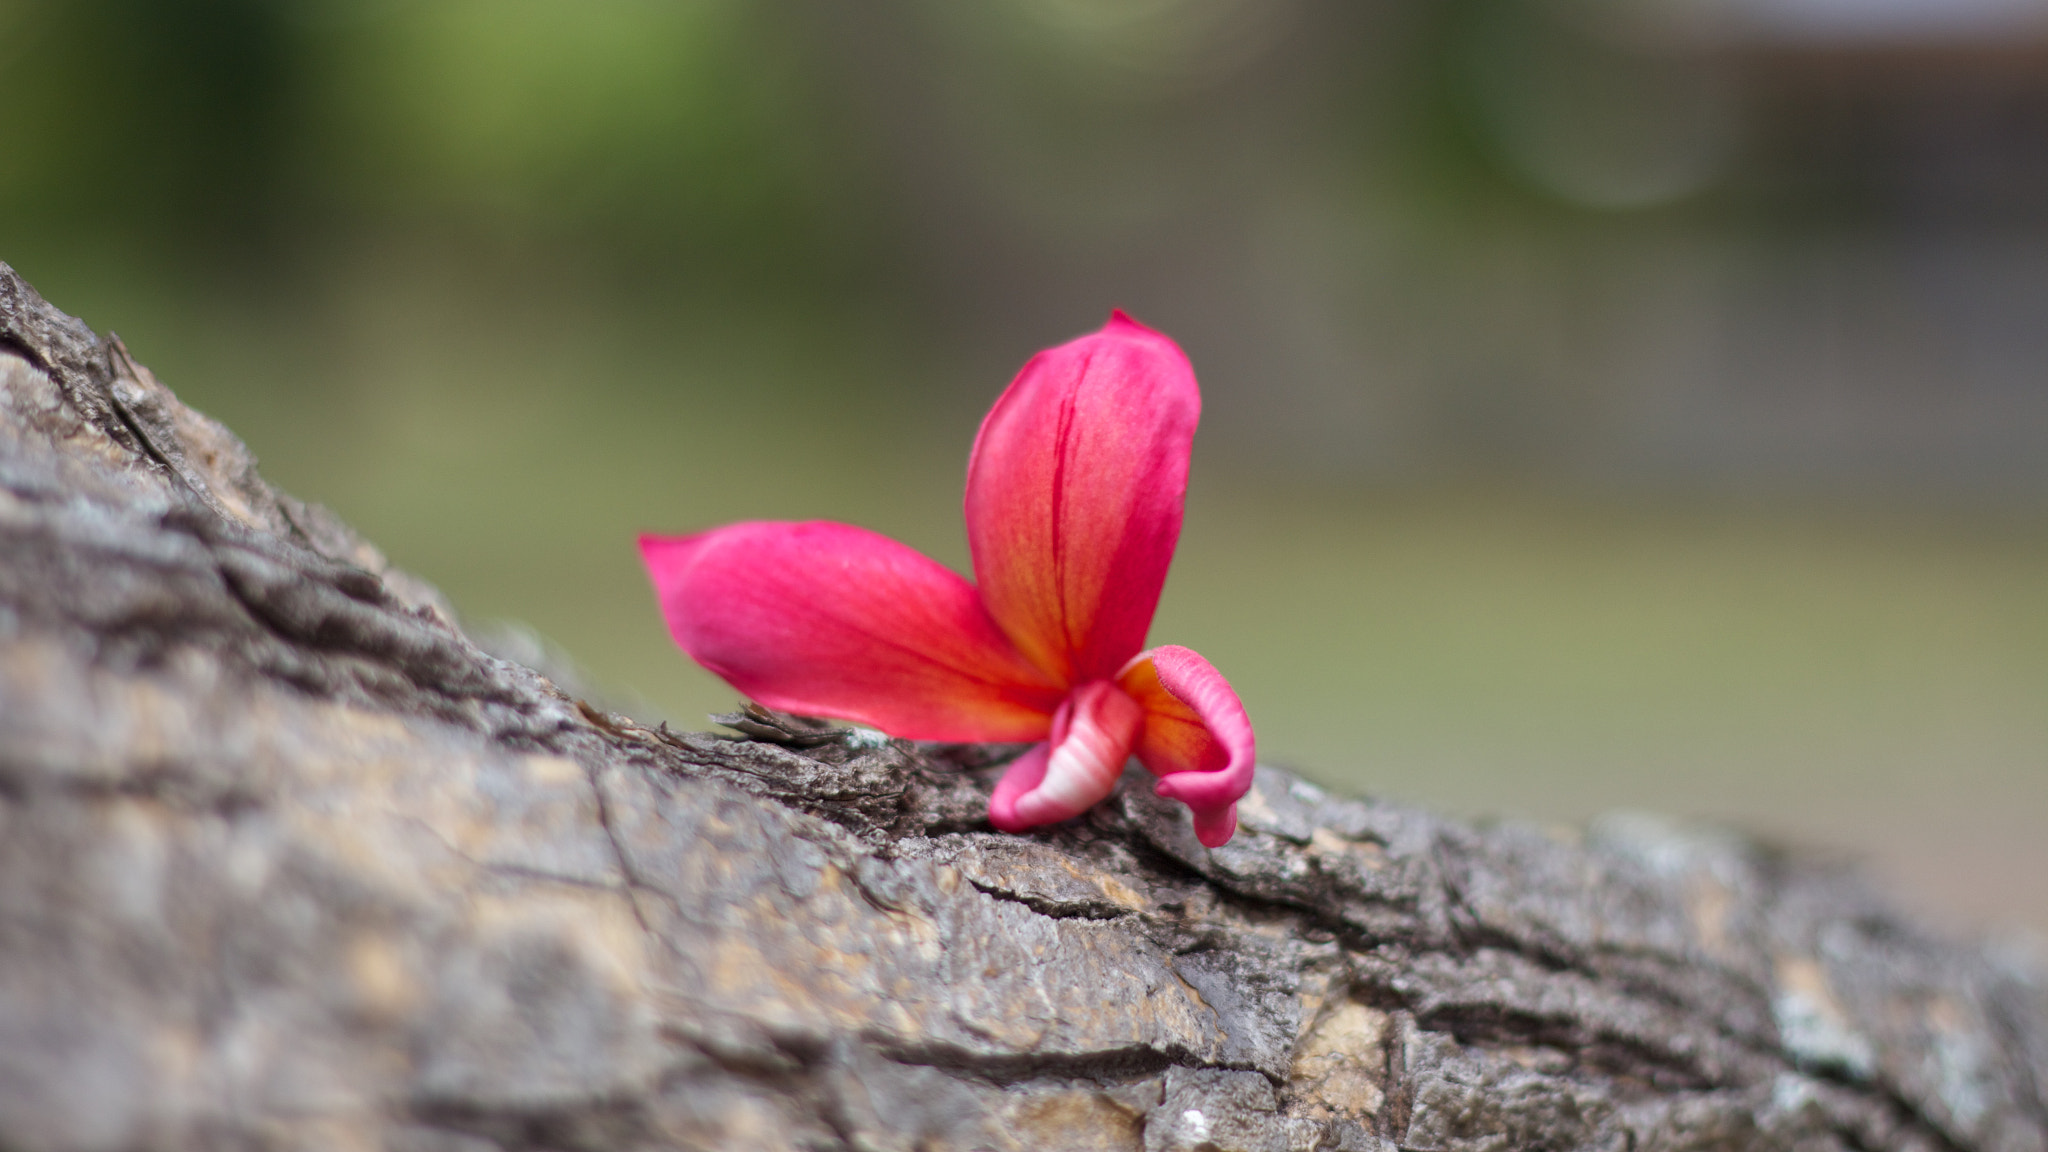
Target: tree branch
287,860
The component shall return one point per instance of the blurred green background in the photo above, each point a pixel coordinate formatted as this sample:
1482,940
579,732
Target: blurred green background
1609,405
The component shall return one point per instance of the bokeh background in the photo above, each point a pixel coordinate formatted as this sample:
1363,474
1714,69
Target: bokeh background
1637,404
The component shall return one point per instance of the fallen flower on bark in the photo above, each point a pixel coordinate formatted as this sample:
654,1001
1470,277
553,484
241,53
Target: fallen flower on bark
1074,496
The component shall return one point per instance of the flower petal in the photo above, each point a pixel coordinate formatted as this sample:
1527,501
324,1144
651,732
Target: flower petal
831,620
1074,496
1197,738
1020,778
1092,736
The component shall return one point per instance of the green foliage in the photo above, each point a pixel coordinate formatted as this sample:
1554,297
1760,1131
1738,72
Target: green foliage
658,132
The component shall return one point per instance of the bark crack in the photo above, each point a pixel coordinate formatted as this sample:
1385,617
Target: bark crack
623,859
1054,909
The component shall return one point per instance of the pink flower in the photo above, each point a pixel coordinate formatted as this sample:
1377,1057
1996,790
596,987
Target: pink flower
1074,496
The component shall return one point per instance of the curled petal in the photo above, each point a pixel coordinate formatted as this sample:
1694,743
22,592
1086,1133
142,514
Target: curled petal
1074,496
1197,738
831,620
1019,779
1092,734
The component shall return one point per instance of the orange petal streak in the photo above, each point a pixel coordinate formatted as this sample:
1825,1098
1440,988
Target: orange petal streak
1074,496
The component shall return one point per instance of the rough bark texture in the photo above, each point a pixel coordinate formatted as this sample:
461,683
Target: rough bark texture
288,861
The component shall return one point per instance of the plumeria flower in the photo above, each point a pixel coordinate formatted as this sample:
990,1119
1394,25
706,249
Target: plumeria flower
1074,495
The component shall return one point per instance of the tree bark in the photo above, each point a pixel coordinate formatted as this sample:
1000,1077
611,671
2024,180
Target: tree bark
287,860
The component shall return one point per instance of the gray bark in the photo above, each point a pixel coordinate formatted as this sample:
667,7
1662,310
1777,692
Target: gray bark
287,860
